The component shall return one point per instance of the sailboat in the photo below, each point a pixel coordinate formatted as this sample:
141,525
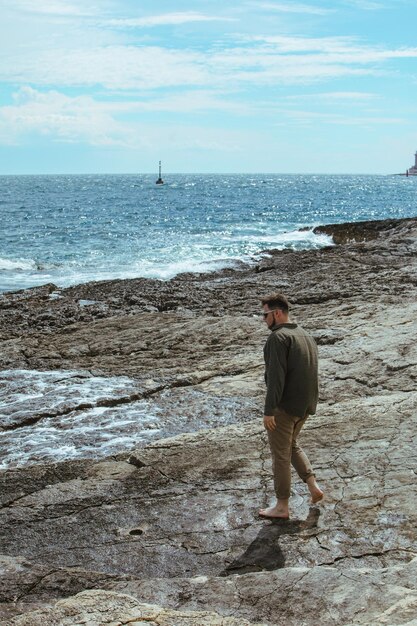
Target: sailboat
159,181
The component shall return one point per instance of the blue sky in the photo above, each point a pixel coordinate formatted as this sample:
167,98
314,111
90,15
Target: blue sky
101,86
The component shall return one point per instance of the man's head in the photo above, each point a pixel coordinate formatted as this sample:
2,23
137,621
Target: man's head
276,309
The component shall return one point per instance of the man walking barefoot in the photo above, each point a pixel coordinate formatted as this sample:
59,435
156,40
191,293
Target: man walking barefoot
291,378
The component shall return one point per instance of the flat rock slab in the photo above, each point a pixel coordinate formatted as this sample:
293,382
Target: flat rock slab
186,508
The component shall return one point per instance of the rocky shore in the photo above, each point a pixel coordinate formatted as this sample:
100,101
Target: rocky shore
134,459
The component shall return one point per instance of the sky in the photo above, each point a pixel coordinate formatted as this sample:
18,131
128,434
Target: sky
253,86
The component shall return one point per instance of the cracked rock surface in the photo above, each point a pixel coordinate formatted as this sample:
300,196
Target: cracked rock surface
103,607
135,460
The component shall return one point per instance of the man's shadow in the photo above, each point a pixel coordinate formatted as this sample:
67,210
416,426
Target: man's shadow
265,553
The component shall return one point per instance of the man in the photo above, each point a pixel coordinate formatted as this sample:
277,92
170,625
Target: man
291,396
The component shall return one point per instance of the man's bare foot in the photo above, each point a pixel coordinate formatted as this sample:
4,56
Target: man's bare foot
316,493
275,512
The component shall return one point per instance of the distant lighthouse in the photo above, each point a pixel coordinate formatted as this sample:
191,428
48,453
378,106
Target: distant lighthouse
159,181
413,170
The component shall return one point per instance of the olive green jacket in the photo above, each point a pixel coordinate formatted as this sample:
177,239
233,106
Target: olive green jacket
291,371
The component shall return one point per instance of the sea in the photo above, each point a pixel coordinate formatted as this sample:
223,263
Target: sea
73,229
68,230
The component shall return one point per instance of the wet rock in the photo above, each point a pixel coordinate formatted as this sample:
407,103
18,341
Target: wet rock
360,231
180,517
52,416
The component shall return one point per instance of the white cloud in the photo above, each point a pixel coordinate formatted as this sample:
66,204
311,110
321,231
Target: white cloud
114,67
264,61
344,95
61,117
311,118
332,96
82,119
342,48
286,7
367,5
286,44
165,19
61,8
189,102
88,54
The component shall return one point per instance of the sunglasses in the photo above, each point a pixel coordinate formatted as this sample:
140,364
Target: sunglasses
265,315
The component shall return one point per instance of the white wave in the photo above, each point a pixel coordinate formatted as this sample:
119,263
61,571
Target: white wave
145,269
17,264
169,270
293,238
303,239
199,255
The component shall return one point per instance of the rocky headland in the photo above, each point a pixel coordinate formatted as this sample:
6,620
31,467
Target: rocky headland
134,458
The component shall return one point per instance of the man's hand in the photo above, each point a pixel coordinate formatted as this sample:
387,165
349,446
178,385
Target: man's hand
269,422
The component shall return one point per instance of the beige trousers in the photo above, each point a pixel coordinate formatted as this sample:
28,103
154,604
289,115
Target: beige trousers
286,452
